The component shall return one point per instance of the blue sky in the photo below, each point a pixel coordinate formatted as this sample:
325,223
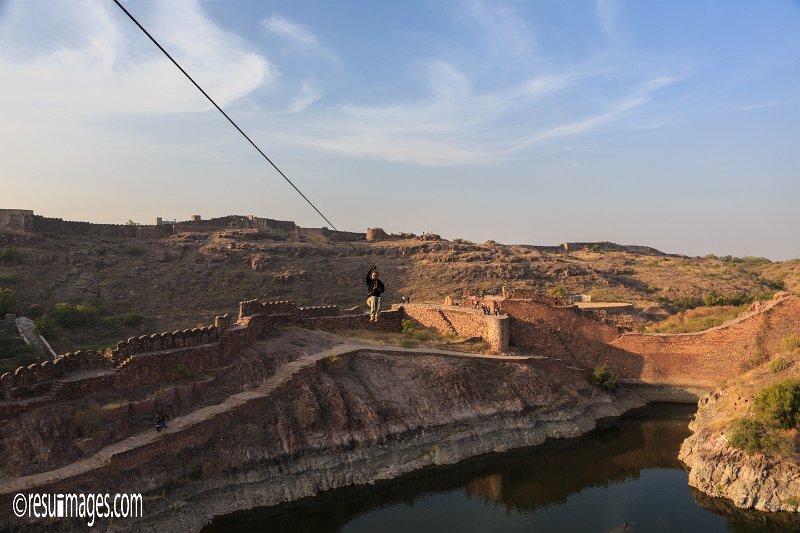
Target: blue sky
674,124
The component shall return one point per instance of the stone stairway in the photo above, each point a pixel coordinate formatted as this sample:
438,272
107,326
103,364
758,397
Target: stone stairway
282,376
55,388
448,324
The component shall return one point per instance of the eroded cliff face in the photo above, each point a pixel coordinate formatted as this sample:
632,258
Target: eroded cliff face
748,480
354,420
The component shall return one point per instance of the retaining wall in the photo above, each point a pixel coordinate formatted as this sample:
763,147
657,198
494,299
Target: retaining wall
719,353
465,322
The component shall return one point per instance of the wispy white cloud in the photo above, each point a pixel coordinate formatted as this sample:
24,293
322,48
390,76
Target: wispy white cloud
450,126
763,105
296,33
99,63
501,27
606,12
308,94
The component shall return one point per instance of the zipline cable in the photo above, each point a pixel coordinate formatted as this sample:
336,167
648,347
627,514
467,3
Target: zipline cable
254,145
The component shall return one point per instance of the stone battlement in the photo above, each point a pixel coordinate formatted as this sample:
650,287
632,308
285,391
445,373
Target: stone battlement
25,378
24,220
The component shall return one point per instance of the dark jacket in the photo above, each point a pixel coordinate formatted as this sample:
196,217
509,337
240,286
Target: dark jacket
374,286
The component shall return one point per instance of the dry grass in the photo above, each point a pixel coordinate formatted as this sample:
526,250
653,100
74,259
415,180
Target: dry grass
791,343
698,319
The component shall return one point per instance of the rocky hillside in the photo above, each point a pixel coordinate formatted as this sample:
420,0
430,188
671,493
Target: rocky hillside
354,419
744,443
139,286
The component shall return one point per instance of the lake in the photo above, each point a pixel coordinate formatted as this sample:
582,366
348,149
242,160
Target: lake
623,476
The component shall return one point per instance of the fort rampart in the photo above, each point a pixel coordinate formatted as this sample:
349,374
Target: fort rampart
470,323
24,220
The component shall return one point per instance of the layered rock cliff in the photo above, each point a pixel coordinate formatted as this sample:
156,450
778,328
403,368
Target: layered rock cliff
374,416
749,480
353,420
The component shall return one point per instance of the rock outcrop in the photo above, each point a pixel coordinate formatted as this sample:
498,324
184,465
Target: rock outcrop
754,481
351,420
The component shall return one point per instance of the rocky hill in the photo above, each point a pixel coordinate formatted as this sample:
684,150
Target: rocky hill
737,449
143,281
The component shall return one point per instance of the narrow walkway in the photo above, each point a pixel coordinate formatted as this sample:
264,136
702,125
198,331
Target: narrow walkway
281,377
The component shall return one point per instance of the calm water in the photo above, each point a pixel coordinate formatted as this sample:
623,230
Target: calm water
624,471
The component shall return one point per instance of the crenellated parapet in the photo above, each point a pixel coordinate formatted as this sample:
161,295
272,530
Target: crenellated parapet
158,342
256,307
46,371
318,311
285,307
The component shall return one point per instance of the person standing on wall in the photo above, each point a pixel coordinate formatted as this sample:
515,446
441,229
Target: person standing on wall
376,288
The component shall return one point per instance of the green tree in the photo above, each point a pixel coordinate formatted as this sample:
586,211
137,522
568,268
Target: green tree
9,254
35,311
45,325
70,316
8,301
557,292
781,403
603,377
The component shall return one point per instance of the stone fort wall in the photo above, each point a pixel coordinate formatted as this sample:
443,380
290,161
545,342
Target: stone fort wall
149,358
24,220
719,353
36,378
468,323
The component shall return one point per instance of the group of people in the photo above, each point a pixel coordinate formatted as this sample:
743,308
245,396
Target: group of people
485,309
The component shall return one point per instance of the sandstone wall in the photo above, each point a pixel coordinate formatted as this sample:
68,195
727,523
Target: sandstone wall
56,225
16,219
526,314
714,355
566,334
389,321
26,220
468,323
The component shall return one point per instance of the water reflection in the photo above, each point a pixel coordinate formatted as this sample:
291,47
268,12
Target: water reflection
626,471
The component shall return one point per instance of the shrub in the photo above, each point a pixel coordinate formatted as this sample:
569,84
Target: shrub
70,316
9,277
557,292
779,364
88,421
780,403
131,319
748,434
330,361
45,325
603,377
791,343
9,254
751,435
755,360
408,326
35,311
687,302
8,301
